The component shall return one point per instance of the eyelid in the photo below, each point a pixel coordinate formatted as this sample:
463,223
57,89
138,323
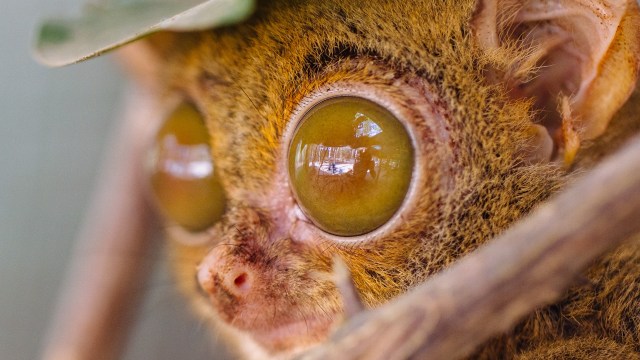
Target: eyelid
189,238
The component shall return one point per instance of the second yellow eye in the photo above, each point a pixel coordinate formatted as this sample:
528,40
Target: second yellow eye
183,178
350,164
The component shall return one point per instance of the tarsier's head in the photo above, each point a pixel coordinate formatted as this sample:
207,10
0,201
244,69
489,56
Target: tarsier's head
396,136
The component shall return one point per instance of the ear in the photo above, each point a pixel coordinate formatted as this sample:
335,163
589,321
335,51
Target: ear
578,60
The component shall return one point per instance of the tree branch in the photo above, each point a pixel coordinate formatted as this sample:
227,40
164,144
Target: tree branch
488,292
113,256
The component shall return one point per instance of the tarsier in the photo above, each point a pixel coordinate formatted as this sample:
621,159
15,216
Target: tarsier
397,136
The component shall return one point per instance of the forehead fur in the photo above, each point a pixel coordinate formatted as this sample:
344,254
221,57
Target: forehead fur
248,78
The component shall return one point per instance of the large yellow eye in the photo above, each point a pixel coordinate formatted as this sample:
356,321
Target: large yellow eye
350,164
183,177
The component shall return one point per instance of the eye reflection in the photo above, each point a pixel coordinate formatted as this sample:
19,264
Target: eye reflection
341,160
359,162
185,162
350,164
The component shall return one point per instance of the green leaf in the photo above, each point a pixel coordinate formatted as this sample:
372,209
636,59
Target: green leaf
102,28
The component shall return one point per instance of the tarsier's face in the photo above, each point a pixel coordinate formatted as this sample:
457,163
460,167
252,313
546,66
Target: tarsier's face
370,131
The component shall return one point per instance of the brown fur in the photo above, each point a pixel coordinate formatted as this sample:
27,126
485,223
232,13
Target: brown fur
247,81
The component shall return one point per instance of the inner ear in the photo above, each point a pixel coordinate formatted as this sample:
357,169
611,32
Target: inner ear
578,60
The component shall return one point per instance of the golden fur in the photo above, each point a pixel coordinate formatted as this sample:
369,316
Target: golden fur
248,79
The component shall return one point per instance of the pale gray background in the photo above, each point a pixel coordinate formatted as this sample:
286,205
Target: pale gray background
54,124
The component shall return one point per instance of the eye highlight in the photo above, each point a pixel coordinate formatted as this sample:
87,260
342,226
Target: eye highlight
182,174
350,165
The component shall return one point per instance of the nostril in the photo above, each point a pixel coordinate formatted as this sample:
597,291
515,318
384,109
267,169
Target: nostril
239,281
242,282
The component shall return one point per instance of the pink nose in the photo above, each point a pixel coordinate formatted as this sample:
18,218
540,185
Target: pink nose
220,269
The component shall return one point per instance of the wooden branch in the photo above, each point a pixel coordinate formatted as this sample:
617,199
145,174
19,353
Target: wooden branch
351,301
113,257
488,292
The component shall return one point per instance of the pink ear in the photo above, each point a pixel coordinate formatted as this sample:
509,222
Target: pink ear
579,59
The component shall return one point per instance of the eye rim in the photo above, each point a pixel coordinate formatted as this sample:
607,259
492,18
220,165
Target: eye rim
381,98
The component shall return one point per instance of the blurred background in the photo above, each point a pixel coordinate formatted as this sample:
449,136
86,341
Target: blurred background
54,125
